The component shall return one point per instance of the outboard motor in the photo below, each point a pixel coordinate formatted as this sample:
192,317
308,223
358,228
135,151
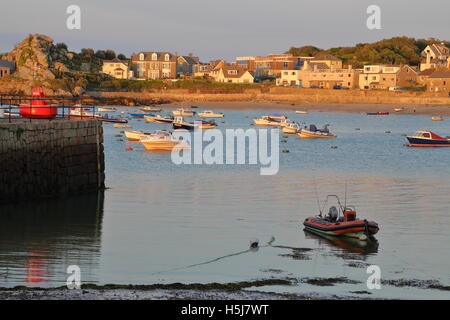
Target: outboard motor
312,128
333,214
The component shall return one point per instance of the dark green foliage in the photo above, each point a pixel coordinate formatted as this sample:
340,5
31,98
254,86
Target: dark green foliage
397,50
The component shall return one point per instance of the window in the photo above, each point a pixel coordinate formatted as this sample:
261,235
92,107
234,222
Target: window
141,56
154,56
167,57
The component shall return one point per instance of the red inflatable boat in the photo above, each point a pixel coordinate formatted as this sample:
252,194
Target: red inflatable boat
39,108
341,222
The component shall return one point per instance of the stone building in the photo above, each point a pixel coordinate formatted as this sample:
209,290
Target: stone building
154,65
6,68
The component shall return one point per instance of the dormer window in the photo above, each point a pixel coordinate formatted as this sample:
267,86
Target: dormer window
232,71
154,57
167,57
141,56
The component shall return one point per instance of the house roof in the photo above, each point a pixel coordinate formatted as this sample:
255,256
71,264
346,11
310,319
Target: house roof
189,59
325,56
7,64
440,74
427,72
238,74
159,56
116,60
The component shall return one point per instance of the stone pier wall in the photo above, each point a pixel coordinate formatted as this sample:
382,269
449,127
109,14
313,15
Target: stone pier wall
42,159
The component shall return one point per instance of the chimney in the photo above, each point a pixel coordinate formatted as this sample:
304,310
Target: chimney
428,57
190,54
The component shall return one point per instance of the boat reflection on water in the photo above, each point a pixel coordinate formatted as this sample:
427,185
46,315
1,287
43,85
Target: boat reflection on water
346,244
40,239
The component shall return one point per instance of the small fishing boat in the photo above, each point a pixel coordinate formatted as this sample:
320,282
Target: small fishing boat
341,221
301,112
426,138
107,118
399,109
179,123
135,135
439,118
267,121
163,141
141,114
377,113
107,109
159,119
183,112
291,128
210,114
123,126
78,111
313,133
151,109
204,124
277,116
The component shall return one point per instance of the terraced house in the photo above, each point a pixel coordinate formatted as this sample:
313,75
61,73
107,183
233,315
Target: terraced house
387,76
154,65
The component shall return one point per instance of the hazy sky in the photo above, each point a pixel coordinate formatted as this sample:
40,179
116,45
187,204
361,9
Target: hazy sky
220,29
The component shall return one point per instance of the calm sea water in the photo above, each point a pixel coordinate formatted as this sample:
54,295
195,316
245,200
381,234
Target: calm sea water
157,220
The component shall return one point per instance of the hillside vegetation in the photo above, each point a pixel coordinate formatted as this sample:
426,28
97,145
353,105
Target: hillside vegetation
398,50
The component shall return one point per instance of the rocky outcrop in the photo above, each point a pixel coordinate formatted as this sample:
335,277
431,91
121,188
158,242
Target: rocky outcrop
37,58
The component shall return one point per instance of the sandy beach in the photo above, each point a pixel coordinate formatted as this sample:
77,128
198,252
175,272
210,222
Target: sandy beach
431,110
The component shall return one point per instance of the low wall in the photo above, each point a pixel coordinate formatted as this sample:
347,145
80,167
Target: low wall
42,159
281,94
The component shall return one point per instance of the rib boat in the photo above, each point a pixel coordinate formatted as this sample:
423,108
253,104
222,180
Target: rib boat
313,133
341,221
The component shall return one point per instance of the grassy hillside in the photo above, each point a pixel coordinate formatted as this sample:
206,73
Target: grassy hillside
398,50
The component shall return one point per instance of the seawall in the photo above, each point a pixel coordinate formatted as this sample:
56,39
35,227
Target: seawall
43,159
276,94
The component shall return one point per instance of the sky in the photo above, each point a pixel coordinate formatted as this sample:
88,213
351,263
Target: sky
213,29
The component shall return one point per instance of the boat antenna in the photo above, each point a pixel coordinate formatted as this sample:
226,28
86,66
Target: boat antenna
345,197
317,197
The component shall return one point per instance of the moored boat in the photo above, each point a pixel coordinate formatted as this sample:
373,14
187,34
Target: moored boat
141,114
39,107
313,133
183,112
122,126
341,221
301,112
210,114
399,109
135,135
291,128
151,109
180,123
438,118
426,138
163,141
377,113
159,119
204,124
267,121
277,116
107,109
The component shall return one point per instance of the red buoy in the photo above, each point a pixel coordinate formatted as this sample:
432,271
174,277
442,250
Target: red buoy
39,108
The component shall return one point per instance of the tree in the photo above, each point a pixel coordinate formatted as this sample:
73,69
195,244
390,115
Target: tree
110,54
100,54
61,45
121,57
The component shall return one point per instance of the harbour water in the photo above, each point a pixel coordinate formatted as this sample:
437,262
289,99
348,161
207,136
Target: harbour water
163,223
